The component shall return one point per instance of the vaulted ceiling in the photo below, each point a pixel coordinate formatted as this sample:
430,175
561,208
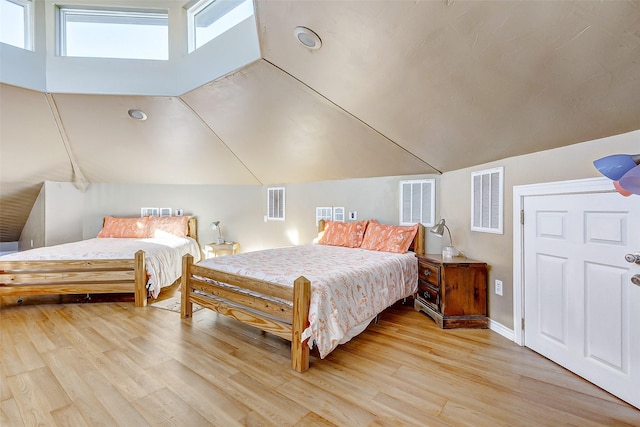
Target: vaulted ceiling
397,88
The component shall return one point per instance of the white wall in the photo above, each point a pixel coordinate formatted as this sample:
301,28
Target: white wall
62,213
33,232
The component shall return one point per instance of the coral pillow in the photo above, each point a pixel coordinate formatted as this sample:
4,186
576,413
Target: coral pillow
124,227
176,225
349,234
389,238
144,227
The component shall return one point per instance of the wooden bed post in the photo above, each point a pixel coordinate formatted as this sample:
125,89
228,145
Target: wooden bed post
186,306
301,300
140,280
419,240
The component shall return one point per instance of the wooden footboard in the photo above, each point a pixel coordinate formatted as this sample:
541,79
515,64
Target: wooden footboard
24,278
270,307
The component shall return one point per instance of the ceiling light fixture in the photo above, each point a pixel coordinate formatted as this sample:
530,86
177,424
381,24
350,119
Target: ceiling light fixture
307,37
137,114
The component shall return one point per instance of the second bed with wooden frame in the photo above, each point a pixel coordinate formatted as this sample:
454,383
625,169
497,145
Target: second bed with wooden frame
79,276
277,308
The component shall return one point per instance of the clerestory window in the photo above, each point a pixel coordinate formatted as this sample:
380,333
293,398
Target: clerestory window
16,23
207,19
113,33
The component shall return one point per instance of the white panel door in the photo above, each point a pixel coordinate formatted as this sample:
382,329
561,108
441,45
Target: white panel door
581,308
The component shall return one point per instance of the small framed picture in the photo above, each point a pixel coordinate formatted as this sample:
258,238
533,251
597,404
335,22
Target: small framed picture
165,211
149,212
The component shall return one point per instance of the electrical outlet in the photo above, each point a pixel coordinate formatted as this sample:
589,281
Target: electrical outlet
353,215
498,287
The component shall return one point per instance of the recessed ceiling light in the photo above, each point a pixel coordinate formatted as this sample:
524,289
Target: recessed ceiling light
307,37
137,114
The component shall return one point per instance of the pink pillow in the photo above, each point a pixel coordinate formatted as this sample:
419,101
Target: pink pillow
124,227
144,227
389,238
348,234
176,225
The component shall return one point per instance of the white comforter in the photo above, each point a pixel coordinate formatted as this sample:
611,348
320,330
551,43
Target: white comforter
163,255
349,287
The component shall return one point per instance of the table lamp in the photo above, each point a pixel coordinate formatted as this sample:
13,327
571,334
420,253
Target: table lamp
438,229
215,225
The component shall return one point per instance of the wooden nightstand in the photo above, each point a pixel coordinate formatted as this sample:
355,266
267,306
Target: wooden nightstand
452,291
220,249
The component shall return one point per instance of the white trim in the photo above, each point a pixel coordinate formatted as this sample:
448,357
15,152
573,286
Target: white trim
501,329
589,185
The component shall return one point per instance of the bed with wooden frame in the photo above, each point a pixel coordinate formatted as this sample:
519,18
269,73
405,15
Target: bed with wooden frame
81,276
271,307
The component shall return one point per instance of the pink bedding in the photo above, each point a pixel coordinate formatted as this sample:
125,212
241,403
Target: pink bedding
163,255
349,286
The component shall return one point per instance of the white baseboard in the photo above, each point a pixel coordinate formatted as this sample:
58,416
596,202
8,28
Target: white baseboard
501,329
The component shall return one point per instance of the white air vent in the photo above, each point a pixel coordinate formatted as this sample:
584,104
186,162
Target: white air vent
324,213
487,200
417,202
275,203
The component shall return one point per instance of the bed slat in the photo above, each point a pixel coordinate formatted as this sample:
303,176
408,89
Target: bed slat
65,277
268,325
260,286
274,308
66,288
68,265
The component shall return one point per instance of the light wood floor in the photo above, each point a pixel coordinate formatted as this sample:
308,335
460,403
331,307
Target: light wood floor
112,364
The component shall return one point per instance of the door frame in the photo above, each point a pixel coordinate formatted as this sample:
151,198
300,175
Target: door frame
588,185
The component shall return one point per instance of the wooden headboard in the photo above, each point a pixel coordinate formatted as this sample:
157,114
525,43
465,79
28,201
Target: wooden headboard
193,228
416,246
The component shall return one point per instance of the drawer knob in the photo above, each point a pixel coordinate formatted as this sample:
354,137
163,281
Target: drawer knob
426,295
427,273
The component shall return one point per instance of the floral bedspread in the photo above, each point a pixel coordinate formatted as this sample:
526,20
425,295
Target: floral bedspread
163,255
348,286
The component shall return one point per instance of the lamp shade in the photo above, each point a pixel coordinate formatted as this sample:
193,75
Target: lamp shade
215,225
616,165
438,228
630,181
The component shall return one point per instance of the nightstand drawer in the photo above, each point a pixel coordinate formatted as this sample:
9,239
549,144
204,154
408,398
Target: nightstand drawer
429,273
428,294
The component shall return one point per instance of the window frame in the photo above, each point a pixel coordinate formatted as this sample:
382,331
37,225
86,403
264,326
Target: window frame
499,209
431,183
192,12
106,15
28,17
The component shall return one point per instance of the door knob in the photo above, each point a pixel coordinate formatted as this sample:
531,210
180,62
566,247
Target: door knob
635,279
632,258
